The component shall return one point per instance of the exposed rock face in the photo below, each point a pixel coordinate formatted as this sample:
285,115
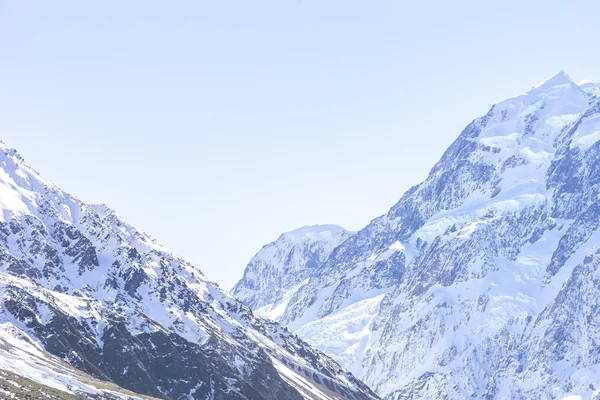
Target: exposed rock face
482,281
115,304
280,268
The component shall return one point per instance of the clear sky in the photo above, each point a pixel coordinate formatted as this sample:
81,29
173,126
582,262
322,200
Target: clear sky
216,125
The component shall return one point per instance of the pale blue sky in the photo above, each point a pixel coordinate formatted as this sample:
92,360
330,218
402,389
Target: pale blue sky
215,126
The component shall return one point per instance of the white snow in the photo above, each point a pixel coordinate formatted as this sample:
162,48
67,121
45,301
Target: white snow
20,354
560,79
587,134
67,230
345,335
398,341
273,312
304,386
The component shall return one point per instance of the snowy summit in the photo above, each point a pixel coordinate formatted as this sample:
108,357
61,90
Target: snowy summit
481,281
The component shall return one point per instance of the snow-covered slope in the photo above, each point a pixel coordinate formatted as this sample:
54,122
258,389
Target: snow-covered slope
281,267
21,356
482,281
84,286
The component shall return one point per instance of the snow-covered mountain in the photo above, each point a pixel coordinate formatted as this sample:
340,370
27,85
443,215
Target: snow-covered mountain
483,281
278,270
86,297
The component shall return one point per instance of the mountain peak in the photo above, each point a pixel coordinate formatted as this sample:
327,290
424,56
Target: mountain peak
558,79
314,230
281,267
